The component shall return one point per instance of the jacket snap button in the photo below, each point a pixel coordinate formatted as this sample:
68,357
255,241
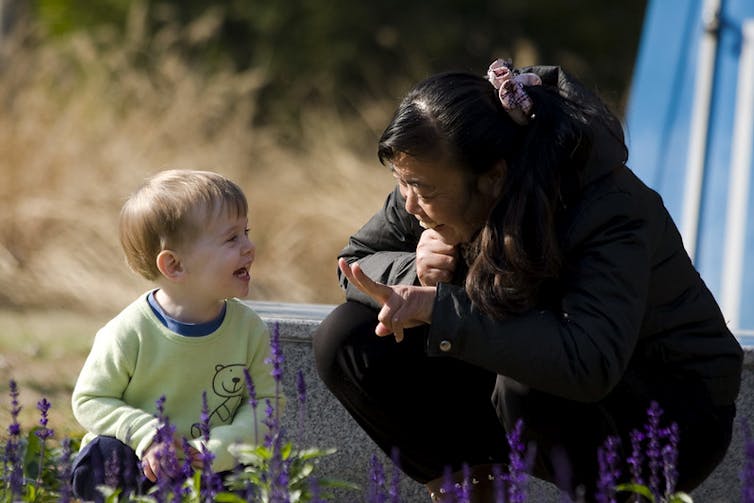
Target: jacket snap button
445,346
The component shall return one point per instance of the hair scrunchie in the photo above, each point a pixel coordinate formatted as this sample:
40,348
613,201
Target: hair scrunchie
510,86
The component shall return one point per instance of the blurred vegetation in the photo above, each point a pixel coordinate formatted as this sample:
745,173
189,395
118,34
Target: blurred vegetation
287,98
341,53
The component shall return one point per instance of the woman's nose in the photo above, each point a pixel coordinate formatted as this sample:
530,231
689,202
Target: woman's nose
412,202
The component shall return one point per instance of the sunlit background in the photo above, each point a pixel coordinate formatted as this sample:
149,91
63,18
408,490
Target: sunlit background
287,98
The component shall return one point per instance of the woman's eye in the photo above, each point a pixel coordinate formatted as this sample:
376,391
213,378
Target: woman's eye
425,197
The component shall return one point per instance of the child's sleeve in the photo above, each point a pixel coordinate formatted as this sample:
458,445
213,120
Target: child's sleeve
249,425
97,397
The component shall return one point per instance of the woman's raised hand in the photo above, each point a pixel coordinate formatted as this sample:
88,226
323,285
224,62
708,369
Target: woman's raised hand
435,259
403,306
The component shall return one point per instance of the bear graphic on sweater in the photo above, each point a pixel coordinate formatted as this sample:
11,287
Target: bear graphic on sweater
227,383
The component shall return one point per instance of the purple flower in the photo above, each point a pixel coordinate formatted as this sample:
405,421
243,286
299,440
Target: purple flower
166,455
204,418
252,401
314,491
211,482
301,386
250,388
654,454
13,465
65,472
186,469
394,490
448,488
464,493
747,490
376,492
14,429
670,458
271,423
516,465
160,405
278,472
607,457
636,459
210,485
276,358
44,432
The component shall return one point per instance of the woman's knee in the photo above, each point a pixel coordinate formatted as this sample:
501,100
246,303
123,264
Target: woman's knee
345,322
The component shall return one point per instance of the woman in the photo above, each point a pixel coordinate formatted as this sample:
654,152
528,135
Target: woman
530,275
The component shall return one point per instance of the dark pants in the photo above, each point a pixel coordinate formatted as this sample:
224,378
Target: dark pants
441,412
106,460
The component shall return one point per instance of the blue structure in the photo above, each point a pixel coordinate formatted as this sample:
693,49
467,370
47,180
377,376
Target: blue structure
690,131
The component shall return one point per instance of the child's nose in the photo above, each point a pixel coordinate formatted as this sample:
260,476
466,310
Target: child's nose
250,248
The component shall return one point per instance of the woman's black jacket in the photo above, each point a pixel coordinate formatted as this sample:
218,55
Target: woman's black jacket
629,295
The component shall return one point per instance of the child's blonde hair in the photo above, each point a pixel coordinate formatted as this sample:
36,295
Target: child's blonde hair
168,211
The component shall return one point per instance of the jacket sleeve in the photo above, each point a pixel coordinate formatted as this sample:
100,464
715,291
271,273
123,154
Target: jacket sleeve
97,398
580,349
385,248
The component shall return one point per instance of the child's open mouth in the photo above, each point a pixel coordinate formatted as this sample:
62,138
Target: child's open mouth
242,274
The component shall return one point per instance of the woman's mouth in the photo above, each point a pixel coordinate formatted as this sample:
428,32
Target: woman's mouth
427,225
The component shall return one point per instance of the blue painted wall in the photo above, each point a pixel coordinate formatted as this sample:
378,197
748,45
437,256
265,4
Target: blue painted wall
658,121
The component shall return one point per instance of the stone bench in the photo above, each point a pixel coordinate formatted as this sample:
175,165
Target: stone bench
329,425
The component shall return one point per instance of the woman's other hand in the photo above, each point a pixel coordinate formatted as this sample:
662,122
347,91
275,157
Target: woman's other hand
403,306
435,259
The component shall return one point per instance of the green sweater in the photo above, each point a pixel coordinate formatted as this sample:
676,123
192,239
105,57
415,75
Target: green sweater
135,360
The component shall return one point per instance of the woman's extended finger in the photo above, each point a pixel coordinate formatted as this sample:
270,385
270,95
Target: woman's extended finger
388,321
355,275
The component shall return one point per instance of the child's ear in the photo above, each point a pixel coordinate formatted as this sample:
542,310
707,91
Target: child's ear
169,265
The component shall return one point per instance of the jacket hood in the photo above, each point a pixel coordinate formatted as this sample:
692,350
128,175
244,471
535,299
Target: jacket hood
607,151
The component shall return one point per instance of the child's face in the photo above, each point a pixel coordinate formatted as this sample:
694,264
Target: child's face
218,262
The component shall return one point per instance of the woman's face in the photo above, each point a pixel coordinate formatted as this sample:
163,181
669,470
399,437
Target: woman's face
443,197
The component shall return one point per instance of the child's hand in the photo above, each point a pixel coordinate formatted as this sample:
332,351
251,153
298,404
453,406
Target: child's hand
154,462
196,458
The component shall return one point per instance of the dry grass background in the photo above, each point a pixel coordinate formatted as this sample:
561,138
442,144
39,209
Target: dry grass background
85,120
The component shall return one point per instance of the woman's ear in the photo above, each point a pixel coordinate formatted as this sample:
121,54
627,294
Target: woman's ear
490,183
170,265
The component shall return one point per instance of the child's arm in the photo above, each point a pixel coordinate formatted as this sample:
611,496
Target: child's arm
97,397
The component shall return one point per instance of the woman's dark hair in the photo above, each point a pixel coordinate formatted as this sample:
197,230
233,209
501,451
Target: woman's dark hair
458,116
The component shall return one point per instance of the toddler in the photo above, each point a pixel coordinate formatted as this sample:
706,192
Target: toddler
187,231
